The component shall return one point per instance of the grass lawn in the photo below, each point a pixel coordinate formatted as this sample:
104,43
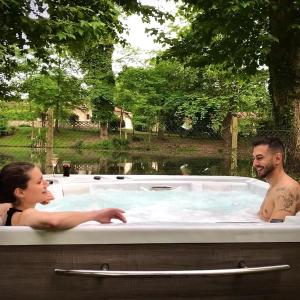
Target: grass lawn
69,138
22,138
140,142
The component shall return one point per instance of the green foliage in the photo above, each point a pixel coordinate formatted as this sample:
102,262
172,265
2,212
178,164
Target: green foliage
3,120
18,110
104,145
5,130
153,93
102,109
112,144
57,90
222,92
39,139
78,144
168,93
120,144
244,35
96,62
37,27
136,138
236,33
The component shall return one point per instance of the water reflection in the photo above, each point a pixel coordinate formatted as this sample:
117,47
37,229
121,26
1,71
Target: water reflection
144,165
86,162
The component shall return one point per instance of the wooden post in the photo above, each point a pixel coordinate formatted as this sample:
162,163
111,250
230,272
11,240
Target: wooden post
49,142
234,145
121,120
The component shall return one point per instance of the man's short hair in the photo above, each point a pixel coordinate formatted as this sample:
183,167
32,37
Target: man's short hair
274,144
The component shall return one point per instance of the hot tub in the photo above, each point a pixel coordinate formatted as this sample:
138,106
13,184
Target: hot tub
225,259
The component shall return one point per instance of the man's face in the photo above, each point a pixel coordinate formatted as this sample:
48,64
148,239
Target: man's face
263,161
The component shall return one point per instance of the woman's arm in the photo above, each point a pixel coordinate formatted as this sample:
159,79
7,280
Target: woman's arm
65,220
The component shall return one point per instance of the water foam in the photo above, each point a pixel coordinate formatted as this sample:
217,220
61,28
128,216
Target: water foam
167,206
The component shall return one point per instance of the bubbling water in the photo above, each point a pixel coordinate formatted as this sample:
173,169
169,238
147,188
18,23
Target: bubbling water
167,206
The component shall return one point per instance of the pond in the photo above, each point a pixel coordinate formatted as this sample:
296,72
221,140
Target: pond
105,162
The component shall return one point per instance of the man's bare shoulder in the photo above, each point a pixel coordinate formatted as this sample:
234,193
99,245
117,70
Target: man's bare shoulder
287,184
286,196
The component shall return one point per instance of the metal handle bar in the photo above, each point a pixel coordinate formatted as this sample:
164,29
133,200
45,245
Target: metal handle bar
161,188
218,272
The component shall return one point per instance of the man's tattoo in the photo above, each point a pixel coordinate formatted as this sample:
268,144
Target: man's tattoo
288,199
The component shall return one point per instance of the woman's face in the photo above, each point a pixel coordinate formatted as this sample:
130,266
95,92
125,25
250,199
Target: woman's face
36,190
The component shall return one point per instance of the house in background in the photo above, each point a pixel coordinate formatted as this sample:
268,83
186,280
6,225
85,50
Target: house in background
85,115
126,116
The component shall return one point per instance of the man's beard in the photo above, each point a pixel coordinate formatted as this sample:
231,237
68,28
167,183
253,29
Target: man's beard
267,170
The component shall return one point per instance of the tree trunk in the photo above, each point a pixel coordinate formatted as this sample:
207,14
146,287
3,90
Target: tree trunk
56,122
103,131
120,124
49,142
284,68
161,126
226,133
296,127
160,131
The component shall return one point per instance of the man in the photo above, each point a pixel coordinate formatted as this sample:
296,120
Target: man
283,196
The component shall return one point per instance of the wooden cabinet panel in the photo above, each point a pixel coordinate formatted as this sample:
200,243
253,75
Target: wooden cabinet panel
27,272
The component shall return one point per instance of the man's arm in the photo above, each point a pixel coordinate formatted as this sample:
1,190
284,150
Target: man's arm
285,203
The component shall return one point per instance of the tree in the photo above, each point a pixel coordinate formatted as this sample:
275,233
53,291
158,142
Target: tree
48,92
167,93
39,25
222,94
246,35
150,93
103,113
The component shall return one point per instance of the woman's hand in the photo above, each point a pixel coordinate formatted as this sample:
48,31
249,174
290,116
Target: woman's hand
4,207
50,197
106,215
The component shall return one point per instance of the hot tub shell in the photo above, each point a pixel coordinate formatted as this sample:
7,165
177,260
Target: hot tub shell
38,264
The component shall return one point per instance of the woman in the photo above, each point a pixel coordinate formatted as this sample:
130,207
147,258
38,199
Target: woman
4,207
22,185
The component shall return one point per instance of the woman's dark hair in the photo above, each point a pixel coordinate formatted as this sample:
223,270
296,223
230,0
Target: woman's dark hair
12,176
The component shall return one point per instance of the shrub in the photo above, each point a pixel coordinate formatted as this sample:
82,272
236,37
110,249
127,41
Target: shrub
120,143
136,138
79,144
5,131
105,144
25,125
113,144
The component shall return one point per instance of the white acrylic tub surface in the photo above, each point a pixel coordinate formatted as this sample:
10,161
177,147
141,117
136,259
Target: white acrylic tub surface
169,232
